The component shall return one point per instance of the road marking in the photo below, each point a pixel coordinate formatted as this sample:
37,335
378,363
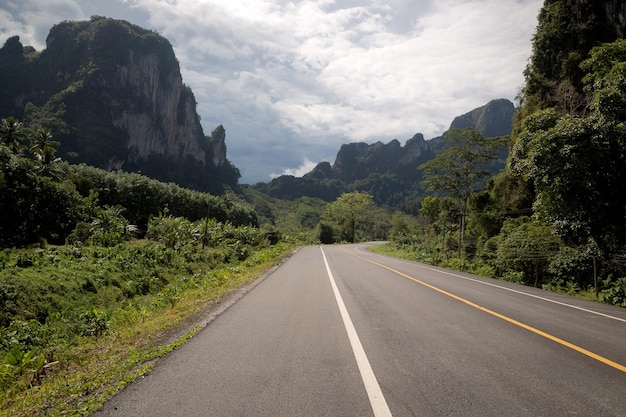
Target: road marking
441,271
505,318
375,395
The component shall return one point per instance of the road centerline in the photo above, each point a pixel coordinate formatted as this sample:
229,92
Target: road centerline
374,393
549,336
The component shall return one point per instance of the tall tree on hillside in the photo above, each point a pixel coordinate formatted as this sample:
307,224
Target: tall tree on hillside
566,32
44,149
460,169
577,165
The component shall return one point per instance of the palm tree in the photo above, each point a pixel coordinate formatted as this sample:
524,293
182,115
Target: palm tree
11,134
44,149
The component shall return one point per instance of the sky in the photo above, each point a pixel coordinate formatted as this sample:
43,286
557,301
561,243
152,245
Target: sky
291,81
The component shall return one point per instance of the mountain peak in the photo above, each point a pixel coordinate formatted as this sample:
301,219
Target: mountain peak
113,96
388,171
491,120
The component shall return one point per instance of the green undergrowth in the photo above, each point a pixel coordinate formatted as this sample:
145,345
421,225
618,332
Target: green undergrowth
611,291
78,323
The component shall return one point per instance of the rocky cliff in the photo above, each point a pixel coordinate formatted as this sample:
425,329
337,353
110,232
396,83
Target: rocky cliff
616,16
566,31
491,120
389,171
113,95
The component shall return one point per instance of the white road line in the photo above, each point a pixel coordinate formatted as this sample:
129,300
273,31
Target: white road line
608,316
375,395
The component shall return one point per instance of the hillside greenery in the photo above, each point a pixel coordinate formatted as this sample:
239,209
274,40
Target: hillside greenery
95,261
97,267
555,217
71,89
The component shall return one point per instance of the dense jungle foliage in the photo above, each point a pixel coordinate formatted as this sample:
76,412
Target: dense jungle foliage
47,199
85,253
555,217
96,265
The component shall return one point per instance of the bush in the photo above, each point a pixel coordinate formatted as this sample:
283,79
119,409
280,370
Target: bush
571,264
95,323
173,232
614,292
28,335
484,271
514,276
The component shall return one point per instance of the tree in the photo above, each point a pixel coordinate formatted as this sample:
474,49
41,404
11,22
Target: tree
459,170
577,165
527,247
442,215
350,215
34,207
326,234
109,227
566,32
11,134
44,150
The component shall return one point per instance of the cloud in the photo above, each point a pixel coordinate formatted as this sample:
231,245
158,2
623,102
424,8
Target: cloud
32,20
306,167
330,72
293,80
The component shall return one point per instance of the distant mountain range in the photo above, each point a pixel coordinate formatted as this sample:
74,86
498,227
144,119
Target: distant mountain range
389,171
113,96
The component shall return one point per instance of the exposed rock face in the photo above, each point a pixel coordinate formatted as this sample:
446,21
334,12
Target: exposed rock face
356,159
616,15
218,146
166,124
413,149
114,97
493,119
139,84
388,171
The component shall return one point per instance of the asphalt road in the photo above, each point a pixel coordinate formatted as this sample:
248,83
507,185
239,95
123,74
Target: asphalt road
340,331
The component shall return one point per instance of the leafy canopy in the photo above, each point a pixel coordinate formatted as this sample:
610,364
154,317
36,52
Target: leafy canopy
578,164
350,216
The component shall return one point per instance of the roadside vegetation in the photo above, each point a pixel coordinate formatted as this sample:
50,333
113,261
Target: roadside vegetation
554,218
98,268
80,322
525,252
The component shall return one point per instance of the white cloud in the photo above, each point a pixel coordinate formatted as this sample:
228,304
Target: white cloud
305,167
32,20
292,78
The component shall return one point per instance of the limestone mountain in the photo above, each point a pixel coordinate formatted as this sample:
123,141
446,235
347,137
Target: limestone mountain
113,96
566,32
388,171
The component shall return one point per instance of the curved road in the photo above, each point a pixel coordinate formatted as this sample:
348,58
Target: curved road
340,331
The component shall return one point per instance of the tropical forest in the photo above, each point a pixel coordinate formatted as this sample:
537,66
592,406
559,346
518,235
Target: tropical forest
107,260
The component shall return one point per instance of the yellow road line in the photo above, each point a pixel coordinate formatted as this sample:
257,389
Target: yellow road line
503,317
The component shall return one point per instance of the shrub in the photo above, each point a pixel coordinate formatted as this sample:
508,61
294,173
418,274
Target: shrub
614,292
95,322
28,335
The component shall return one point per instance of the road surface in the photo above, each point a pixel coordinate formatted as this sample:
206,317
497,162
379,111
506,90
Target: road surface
340,331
